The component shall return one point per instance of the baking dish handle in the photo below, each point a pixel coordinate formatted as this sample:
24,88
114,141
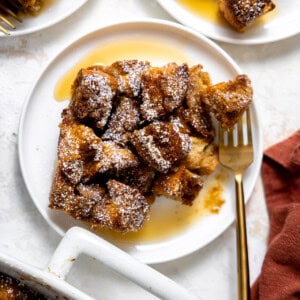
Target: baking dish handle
78,240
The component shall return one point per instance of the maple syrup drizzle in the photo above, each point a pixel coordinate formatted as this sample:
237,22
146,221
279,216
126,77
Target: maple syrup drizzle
169,217
120,50
208,9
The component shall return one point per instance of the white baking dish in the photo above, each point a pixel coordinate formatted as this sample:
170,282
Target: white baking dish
51,281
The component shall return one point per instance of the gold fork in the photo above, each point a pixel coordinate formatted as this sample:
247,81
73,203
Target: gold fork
236,153
8,8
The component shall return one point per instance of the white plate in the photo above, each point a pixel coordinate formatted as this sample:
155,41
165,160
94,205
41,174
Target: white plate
53,14
284,24
38,132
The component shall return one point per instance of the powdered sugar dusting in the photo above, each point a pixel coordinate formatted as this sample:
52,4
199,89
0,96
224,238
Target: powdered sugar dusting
248,10
123,132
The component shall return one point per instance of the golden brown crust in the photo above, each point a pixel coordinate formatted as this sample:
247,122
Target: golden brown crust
198,82
125,118
115,206
128,74
13,289
79,149
193,112
74,199
161,144
179,184
229,100
140,177
92,96
82,154
125,209
163,90
240,14
199,120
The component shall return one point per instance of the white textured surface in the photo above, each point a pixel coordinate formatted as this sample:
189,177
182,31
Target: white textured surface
210,272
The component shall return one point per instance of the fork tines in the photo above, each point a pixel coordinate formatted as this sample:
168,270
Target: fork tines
240,134
8,9
8,23
235,145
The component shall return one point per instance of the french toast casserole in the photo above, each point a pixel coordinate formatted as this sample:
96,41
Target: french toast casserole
31,5
24,6
133,131
13,289
240,14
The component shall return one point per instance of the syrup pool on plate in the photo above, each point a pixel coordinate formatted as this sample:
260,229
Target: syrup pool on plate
120,50
167,217
208,9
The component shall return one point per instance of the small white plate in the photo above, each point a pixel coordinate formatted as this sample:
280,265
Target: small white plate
284,24
38,132
53,14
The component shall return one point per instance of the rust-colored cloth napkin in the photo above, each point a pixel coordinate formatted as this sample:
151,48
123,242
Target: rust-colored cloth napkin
280,274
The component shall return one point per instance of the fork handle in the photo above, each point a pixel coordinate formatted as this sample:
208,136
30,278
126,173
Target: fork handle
241,239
